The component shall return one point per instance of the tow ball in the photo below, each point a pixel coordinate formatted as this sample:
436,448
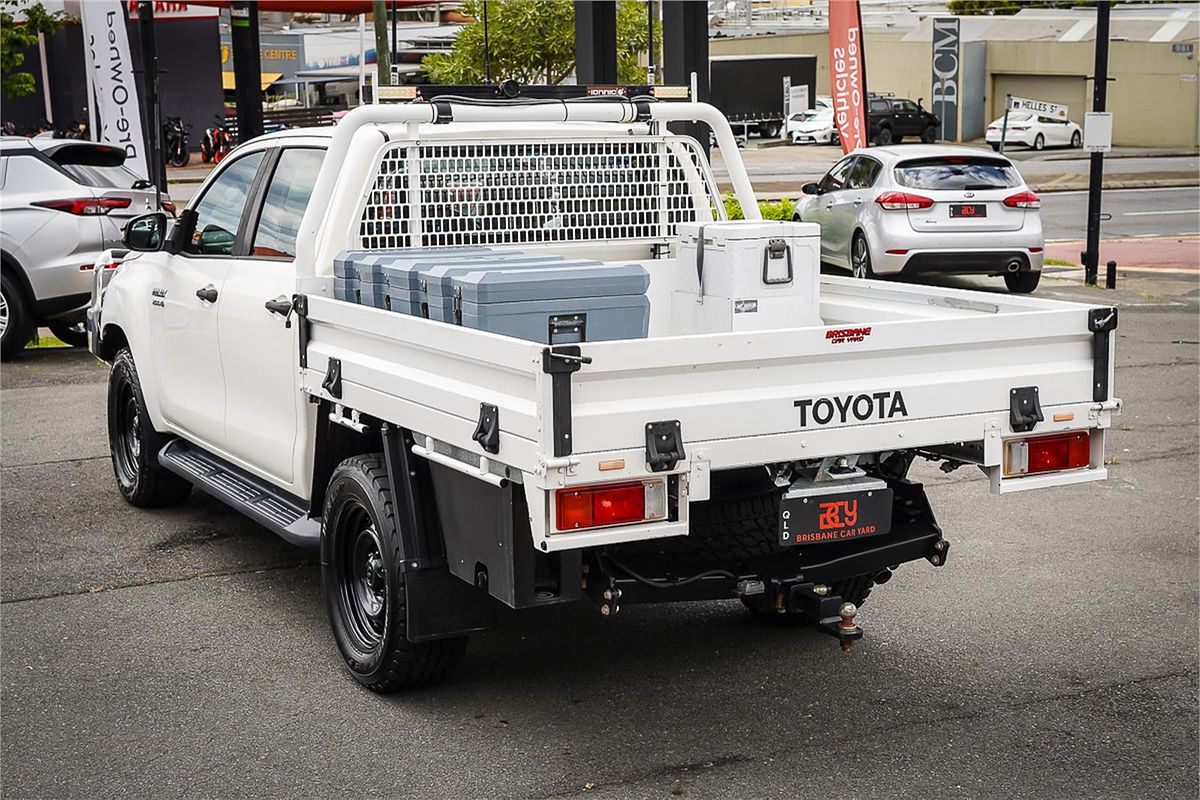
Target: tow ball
827,612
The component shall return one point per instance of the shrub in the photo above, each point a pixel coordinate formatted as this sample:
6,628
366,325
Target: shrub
770,209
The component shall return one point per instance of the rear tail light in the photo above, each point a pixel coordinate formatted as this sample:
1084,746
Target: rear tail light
1047,453
1019,128
86,206
610,504
902,201
1024,199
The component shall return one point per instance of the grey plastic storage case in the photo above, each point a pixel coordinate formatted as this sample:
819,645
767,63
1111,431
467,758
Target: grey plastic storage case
437,281
558,304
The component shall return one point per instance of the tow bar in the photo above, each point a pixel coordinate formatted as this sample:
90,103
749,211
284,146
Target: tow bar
826,612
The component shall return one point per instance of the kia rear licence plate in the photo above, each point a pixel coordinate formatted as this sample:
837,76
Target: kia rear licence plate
834,516
967,210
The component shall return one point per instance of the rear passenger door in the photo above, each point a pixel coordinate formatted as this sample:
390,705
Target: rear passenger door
259,345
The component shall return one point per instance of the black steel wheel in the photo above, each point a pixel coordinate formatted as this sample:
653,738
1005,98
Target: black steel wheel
362,571
135,444
884,136
929,136
860,258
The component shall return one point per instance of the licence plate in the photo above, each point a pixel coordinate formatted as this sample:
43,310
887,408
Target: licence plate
816,519
967,210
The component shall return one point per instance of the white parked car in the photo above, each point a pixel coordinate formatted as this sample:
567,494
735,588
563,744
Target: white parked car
815,127
927,208
1034,130
64,201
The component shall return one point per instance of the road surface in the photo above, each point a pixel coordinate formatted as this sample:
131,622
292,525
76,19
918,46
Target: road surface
1134,212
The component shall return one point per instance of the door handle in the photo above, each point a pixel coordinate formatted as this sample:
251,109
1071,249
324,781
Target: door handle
280,305
208,294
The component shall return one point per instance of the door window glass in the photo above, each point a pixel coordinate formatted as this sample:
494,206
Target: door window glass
863,173
287,197
879,106
906,106
836,178
220,210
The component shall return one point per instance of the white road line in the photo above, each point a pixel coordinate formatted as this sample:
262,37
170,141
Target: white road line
1160,213
1192,189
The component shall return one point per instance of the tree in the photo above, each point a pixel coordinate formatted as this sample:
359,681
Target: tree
968,8
533,41
17,36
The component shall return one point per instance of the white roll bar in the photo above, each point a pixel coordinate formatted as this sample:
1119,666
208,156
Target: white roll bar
618,110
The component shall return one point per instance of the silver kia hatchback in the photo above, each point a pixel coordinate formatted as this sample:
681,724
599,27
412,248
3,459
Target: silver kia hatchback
62,203
913,209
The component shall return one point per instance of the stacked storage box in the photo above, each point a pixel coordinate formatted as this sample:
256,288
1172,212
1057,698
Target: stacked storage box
366,276
548,299
557,304
437,281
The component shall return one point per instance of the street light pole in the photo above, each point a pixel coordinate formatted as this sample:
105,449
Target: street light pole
1091,265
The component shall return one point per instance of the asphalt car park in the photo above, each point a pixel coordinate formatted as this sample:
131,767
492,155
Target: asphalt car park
186,651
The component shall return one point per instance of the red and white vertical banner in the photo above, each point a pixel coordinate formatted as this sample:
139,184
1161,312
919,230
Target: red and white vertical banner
117,111
848,73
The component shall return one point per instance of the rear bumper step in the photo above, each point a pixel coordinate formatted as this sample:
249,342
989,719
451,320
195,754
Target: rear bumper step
270,507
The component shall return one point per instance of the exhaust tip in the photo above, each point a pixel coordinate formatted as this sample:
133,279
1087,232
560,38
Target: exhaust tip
1013,266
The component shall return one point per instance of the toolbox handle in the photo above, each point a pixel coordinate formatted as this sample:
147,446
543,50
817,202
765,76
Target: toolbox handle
776,249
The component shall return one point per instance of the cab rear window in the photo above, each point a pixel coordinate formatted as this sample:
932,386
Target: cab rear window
957,172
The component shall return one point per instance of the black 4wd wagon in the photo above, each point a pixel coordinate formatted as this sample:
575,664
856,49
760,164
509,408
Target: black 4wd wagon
890,119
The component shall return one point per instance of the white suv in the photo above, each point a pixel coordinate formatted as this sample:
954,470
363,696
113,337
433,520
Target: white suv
926,208
64,201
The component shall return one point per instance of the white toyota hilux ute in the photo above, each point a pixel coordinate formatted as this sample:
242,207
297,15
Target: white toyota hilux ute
725,451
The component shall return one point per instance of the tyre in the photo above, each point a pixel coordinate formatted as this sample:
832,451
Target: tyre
1076,140
16,323
135,444
929,135
361,569
180,157
996,146
1022,282
75,335
884,137
769,130
1039,142
860,257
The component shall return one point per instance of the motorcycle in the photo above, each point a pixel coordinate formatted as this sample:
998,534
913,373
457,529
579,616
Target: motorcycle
216,144
175,142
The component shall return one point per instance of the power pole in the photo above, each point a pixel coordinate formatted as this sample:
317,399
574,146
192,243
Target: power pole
1091,265
151,116
382,61
247,68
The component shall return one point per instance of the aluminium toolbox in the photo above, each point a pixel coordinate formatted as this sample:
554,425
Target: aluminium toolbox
557,304
363,276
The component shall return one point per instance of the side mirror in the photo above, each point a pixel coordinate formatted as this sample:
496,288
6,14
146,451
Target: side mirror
146,233
810,188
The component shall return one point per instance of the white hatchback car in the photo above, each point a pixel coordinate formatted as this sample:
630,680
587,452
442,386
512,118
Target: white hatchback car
1035,130
927,208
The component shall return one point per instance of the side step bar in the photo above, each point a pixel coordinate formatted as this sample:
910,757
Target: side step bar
270,507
